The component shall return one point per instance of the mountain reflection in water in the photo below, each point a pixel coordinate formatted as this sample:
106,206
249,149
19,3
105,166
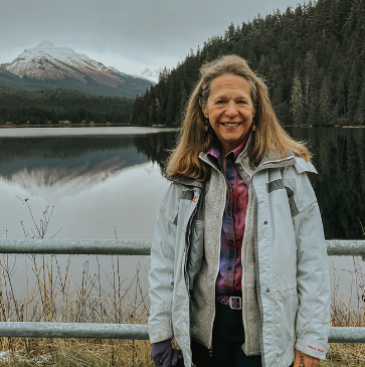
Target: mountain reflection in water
34,162
80,163
86,179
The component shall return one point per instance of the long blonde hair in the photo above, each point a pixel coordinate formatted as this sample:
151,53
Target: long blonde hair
269,135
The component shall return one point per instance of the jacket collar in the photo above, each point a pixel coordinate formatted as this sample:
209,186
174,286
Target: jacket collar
271,160
186,181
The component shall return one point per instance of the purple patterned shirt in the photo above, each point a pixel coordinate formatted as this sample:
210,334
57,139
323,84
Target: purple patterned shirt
233,224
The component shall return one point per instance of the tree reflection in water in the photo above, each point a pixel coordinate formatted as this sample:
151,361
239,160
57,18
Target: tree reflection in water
339,156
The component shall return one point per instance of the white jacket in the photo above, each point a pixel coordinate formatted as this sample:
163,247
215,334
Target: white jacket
285,285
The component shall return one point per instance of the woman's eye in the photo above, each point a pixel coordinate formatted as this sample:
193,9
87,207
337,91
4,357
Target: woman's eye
220,101
242,102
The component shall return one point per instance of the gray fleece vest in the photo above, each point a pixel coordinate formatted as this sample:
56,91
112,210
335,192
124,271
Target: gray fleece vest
203,294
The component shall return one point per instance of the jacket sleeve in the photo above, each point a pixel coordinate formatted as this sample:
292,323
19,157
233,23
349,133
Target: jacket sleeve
161,275
313,318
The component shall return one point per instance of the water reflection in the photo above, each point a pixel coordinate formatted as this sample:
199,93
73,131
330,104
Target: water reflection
90,180
103,184
52,167
339,156
50,162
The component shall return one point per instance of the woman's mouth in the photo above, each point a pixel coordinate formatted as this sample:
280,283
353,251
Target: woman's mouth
229,124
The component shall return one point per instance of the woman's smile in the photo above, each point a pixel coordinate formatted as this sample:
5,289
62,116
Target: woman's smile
230,125
230,110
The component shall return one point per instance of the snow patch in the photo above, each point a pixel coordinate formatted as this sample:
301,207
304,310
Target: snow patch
151,74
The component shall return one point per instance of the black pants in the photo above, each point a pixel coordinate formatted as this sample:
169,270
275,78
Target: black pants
228,337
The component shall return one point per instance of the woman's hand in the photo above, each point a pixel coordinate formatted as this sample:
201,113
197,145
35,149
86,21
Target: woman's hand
308,360
162,353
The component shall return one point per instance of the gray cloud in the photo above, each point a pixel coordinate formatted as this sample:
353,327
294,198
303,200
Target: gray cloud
127,34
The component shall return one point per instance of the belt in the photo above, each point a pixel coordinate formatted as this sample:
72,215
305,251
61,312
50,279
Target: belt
234,302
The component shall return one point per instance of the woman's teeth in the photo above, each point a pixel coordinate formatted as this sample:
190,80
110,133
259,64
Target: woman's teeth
230,125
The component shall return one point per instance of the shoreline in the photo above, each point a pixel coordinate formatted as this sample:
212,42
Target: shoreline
13,126
326,126
68,131
159,126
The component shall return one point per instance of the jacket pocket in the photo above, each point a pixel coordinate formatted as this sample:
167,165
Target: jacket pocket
196,251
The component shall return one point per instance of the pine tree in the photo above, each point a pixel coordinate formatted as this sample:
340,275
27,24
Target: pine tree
341,97
296,101
360,112
306,95
325,102
355,82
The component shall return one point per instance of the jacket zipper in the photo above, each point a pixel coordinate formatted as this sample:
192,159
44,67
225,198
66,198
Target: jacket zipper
218,265
242,252
187,239
258,287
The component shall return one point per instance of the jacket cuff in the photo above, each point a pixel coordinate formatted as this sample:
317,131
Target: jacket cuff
312,347
158,334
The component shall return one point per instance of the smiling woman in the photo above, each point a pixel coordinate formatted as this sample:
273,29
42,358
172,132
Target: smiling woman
230,110
229,92
239,273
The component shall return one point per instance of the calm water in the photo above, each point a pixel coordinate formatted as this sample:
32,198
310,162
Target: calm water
103,181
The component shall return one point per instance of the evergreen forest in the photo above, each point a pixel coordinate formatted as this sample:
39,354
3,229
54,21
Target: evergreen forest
54,105
312,58
127,86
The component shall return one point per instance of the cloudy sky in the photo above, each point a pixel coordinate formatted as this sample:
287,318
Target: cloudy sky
127,34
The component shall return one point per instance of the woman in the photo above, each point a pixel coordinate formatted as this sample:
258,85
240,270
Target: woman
239,273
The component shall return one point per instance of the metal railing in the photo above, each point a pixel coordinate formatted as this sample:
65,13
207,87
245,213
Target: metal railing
130,247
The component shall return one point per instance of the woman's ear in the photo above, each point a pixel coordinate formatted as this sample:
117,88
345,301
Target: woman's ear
205,111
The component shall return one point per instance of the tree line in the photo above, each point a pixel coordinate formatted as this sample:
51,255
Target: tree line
312,58
54,105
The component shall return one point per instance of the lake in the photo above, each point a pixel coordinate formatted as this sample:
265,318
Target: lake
107,182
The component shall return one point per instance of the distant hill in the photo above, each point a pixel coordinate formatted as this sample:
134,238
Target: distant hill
312,58
47,67
39,107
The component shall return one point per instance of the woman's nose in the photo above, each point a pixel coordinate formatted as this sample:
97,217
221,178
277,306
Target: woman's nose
231,110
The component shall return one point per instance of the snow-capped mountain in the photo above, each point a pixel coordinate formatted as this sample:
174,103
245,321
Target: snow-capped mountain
152,74
46,61
49,66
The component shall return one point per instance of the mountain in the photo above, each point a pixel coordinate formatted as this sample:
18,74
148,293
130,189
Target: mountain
47,66
152,74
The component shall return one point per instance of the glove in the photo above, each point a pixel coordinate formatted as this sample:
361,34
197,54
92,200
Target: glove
177,359
162,353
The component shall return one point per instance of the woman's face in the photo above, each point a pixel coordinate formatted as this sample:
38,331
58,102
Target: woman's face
230,110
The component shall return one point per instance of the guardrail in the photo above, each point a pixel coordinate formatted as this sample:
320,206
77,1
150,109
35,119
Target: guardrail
130,247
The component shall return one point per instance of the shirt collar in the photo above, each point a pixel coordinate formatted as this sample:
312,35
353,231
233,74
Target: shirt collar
215,152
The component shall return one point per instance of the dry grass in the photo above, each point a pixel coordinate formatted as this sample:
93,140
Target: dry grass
348,312
54,298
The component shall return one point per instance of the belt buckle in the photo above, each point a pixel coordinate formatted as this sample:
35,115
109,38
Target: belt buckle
235,303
